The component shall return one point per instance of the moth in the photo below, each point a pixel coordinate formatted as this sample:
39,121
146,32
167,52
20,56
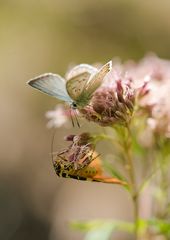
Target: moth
78,87
89,168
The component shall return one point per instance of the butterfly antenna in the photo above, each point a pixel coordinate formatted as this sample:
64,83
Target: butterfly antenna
72,121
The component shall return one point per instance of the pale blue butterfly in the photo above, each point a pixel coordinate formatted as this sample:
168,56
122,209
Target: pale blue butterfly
78,87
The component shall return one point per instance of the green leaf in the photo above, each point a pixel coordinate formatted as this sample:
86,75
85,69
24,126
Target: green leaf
102,233
160,226
102,229
142,226
115,173
156,225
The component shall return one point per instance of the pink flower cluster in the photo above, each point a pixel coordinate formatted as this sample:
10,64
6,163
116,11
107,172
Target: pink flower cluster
152,78
132,87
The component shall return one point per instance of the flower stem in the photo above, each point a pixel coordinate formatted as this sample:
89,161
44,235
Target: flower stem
136,216
131,172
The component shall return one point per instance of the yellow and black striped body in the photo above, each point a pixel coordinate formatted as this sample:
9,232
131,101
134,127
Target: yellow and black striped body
91,172
67,171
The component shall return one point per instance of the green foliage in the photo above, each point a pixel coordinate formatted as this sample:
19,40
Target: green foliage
115,173
102,229
160,226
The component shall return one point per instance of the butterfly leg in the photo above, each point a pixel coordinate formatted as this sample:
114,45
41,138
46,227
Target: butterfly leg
76,118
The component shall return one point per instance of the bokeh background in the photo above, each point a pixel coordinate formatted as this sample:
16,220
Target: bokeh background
47,36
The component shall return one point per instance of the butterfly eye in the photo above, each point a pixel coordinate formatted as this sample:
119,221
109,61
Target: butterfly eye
74,105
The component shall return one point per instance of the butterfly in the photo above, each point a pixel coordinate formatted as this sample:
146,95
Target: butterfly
78,87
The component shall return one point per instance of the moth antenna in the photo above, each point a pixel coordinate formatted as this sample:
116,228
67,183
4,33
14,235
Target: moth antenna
53,153
52,146
98,155
72,121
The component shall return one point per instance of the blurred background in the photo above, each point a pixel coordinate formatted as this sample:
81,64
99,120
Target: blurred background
47,36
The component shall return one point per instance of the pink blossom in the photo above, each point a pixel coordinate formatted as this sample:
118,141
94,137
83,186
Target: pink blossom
57,117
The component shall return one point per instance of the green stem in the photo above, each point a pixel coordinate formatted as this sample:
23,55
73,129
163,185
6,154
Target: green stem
136,216
131,171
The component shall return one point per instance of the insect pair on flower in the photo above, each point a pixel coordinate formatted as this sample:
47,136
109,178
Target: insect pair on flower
80,160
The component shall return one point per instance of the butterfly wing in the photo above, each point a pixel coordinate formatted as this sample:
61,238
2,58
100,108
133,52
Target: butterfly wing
51,84
96,79
76,85
77,79
81,86
79,69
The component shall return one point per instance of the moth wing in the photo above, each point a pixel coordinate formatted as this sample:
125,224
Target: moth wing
51,84
96,79
94,172
76,85
104,179
79,69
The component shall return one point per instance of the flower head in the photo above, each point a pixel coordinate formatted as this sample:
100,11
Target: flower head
79,152
112,103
